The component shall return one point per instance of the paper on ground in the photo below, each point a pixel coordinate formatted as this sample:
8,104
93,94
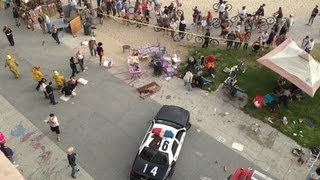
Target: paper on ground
82,81
237,146
65,98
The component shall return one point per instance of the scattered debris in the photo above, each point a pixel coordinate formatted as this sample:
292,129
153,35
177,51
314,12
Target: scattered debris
65,98
269,119
285,121
226,113
295,134
198,130
199,154
148,89
237,146
294,122
215,109
225,168
221,139
82,81
167,78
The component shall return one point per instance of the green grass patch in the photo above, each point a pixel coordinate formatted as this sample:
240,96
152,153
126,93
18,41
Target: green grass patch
259,80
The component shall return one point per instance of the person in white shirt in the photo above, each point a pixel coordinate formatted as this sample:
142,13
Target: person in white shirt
309,46
54,125
188,80
80,59
243,14
48,23
173,25
290,21
222,8
264,37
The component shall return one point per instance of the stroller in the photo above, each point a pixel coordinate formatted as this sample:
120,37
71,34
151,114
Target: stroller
230,84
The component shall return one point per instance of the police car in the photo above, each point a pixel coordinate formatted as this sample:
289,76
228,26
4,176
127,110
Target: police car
161,145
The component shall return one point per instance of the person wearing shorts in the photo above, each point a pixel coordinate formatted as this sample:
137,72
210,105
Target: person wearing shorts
54,125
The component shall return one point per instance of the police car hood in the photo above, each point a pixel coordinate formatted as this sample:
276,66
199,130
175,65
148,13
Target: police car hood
153,170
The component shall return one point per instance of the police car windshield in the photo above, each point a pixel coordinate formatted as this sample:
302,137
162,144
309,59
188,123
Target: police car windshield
154,156
168,123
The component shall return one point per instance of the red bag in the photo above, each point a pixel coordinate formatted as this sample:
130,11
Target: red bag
102,53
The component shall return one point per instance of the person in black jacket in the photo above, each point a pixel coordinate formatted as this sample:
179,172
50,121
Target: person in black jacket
49,91
73,66
100,52
8,32
16,16
182,29
8,152
72,161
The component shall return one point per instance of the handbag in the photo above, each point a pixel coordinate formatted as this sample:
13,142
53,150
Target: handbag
102,53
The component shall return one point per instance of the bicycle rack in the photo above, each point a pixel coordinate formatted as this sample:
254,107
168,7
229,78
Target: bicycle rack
312,160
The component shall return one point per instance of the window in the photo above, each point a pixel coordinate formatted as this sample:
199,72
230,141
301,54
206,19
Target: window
179,135
174,148
154,156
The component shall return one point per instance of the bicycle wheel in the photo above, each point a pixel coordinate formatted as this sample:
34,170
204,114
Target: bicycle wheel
131,10
263,21
229,6
234,19
131,19
230,23
157,28
264,27
198,39
144,21
271,20
179,12
214,42
216,25
177,38
216,6
189,36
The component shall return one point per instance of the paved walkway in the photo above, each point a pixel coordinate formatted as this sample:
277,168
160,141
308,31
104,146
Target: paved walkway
38,157
263,145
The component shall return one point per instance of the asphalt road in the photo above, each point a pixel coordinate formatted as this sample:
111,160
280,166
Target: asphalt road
107,120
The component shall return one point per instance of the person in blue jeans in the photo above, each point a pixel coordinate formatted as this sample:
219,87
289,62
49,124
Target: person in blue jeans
49,90
72,161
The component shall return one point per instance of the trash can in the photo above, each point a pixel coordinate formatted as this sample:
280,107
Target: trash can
157,69
87,28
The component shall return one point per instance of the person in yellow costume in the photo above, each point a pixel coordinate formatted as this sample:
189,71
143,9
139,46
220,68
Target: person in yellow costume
58,79
37,75
12,64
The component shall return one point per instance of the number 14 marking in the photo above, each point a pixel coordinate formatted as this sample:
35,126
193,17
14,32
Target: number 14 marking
153,170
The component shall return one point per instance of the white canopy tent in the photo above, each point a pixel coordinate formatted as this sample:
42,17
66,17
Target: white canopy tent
295,65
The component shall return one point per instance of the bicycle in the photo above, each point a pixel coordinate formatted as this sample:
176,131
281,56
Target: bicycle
217,5
134,21
178,37
272,20
216,23
212,42
237,69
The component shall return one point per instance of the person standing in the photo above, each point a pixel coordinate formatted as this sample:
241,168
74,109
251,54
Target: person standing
8,152
16,16
222,8
55,33
100,52
93,46
54,125
73,66
188,80
264,38
58,79
278,15
206,39
314,13
43,85
309,46
48,23
8,32
12,64
72,161
305,42
290,21
37,75
41,22
49,91
80,59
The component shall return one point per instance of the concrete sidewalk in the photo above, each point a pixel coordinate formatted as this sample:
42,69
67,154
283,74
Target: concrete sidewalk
38,157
